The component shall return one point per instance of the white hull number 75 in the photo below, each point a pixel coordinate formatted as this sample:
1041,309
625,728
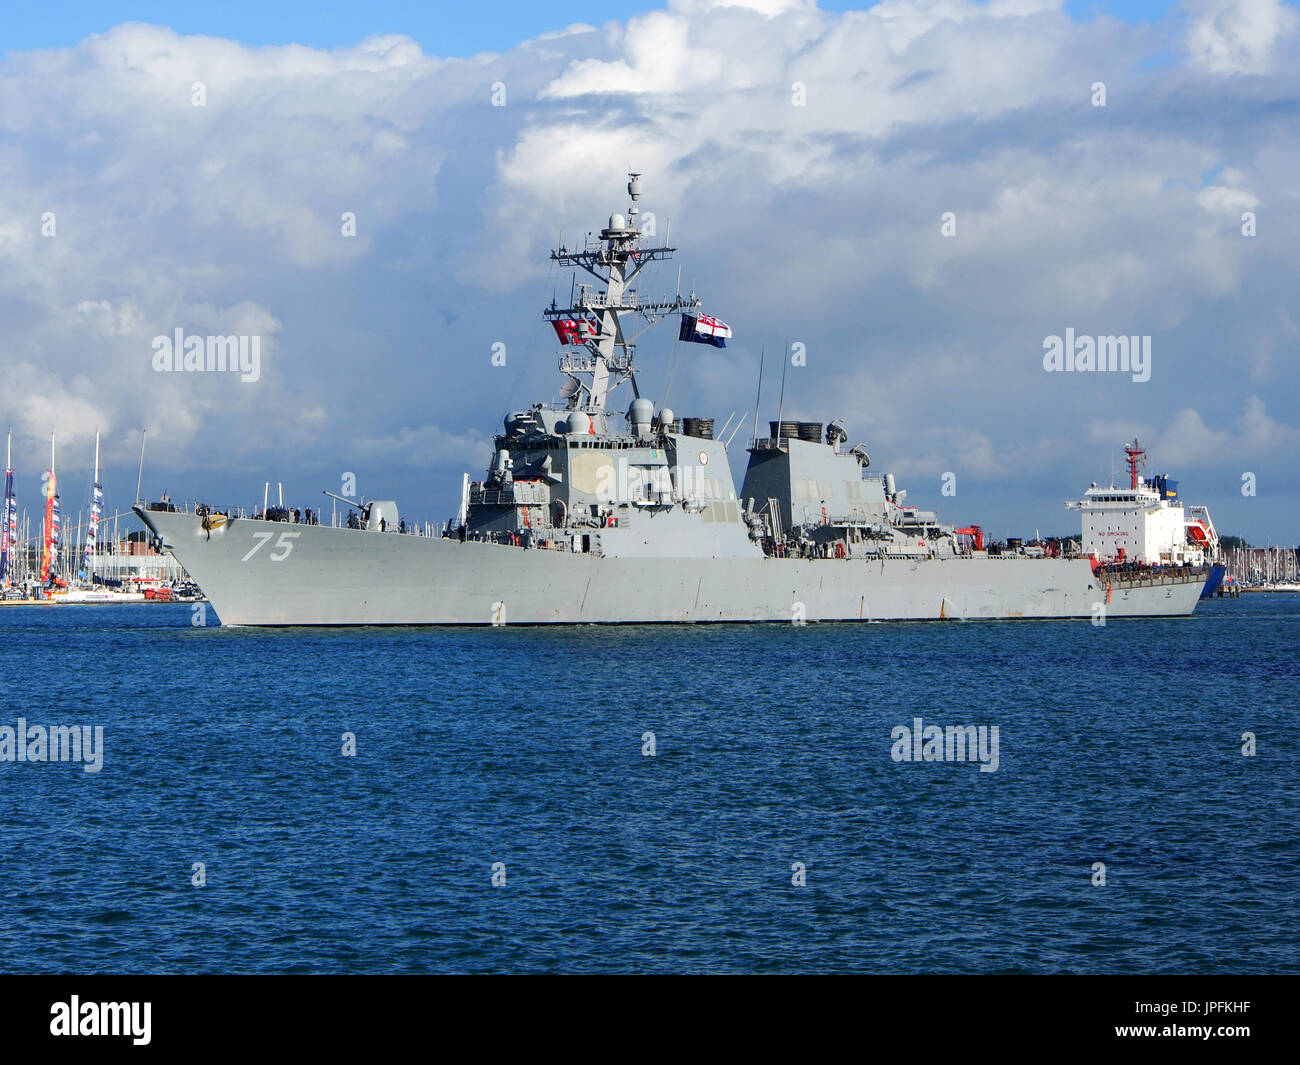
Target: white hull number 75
282,546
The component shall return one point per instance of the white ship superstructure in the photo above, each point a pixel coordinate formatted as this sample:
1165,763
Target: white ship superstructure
1145,522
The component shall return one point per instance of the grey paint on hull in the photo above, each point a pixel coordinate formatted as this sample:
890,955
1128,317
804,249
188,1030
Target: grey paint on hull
272,573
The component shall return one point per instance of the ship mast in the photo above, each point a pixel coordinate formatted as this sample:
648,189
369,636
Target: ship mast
1134,455
604,361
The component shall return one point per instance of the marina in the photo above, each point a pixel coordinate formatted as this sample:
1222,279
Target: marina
1264,569
100,560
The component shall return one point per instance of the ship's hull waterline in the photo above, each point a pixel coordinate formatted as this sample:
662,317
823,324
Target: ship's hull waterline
270,573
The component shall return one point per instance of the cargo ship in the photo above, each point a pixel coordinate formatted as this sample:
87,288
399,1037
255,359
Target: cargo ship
1145,525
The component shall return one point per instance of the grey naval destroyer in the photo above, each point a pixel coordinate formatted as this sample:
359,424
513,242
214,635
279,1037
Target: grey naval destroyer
595,512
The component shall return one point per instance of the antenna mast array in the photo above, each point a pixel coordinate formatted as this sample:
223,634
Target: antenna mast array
607,358
1135,456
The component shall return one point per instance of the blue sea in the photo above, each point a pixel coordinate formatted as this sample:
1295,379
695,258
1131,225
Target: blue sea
770,831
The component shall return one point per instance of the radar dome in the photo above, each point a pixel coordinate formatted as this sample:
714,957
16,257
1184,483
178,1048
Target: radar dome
639,414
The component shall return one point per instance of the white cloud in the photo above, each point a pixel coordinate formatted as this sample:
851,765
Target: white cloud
1237,36
108,320
1188,442
1222,200
762,7
568,31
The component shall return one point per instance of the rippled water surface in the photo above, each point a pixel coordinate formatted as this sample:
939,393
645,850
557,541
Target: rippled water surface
523,746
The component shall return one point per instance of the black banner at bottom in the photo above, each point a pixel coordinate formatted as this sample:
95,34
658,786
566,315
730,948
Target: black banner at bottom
144,1014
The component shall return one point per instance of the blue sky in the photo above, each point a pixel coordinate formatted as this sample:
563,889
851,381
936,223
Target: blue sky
816,223
441,28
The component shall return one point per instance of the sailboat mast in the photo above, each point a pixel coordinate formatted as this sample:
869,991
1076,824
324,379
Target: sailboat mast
49,559
92,529
7,545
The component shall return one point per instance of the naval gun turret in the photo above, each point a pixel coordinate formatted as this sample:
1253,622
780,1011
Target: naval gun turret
377,515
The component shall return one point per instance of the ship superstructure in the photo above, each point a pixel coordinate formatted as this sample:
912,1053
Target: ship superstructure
1145,524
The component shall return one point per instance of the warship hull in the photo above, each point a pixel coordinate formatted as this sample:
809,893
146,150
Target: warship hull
262,573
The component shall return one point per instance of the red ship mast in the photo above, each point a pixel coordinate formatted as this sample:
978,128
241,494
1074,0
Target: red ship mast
1136,455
